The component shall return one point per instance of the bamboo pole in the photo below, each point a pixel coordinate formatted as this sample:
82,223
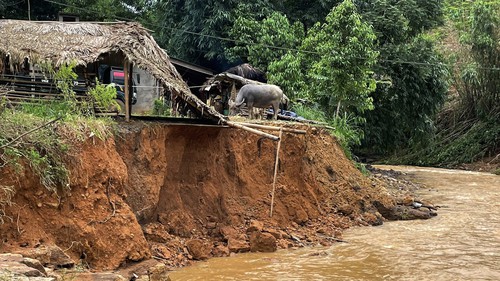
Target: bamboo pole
275,172
273,128
243,127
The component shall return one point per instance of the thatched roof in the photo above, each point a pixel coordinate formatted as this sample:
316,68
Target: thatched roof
85,42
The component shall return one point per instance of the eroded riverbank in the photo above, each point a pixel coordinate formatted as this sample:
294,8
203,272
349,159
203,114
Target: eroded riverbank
462,243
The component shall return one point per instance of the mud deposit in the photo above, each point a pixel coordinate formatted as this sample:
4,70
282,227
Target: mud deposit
178,194
462,243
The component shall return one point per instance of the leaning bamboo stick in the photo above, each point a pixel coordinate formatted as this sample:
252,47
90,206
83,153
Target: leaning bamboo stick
260,133
275,172
273,128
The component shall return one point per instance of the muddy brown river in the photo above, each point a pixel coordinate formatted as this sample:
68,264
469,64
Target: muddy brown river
461,243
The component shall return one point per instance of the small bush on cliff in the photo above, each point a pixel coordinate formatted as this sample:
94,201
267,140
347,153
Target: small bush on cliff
39,135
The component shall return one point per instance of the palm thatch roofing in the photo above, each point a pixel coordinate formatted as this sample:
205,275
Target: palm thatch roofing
85,42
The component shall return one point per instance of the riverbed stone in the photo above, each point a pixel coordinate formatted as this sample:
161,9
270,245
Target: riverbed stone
346,209
255,225
16,265
276,233
49,255
262,242
18,269
236,245
159,272
220,251
198,249
228,232
88,276
34,264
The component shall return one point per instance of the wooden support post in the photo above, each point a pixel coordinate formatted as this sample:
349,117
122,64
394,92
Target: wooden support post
275,172
127,89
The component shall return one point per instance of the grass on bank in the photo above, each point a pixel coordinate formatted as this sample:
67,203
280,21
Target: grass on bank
468,143
29,139
346,129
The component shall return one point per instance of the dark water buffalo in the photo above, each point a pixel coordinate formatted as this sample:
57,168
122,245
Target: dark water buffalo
261,96
247,71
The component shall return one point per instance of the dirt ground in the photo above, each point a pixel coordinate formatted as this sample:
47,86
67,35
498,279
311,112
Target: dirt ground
179,193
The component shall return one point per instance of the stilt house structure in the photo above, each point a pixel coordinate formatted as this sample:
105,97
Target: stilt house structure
25,45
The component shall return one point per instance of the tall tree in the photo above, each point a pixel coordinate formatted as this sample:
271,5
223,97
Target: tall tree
332,70
38,10
479,81
308,12
263,41
106,10
413,79
192,29
343,54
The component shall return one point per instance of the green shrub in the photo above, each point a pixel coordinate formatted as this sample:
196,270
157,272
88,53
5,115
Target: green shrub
160,108
104,95
31,137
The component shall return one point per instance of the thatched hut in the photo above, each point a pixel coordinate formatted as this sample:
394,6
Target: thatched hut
91,44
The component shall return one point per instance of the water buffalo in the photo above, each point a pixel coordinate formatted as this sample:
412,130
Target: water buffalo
258,96
247,71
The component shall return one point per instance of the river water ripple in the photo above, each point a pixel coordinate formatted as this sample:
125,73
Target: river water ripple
461,243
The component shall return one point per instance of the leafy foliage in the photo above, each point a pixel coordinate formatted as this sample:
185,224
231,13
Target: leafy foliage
274,30
406,106
472,143
160,108
64,78
106,10
104,95
478,83
18,9
341,55
412,77
28,139
191,30
307,12
329,66
467,128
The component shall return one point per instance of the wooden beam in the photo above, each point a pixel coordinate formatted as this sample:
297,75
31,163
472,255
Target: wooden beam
273,128
260,133
126,64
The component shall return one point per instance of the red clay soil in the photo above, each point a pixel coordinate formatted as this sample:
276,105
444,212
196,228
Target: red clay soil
155,188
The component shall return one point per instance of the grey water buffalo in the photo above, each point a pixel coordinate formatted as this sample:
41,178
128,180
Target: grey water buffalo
261,96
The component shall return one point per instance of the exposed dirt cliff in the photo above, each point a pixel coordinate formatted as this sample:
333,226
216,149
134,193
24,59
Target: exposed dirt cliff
178,193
